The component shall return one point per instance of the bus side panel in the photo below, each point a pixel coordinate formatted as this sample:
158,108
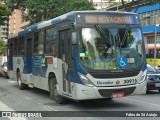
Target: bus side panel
10,67
42,69
18,64
10,60
41,75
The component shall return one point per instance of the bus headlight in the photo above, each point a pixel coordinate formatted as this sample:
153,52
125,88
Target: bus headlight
85,80
143,78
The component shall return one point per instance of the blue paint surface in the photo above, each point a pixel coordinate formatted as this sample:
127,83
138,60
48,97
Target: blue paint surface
150,29
10,63
39,66
147,8
27,65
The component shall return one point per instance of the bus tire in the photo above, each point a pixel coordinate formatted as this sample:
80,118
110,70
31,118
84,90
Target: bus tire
54,95
19,81
5,75
159,90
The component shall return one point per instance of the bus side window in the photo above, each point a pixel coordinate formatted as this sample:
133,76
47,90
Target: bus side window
15,47
21,46
38,42
40,48
50,44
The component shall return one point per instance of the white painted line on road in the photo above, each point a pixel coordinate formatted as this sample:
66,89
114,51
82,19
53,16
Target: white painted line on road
143,102
6,108
27,98
12,81
49,108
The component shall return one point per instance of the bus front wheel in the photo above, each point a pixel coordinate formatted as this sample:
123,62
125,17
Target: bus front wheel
54,92
20,84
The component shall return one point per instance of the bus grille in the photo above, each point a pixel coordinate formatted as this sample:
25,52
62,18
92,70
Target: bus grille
108,92
113,75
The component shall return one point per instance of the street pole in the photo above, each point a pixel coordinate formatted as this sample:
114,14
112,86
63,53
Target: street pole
155,42
101,4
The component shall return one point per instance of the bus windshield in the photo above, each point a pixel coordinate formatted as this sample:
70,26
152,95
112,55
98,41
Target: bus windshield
103,48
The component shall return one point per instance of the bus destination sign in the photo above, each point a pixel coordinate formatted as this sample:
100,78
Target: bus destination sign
107,19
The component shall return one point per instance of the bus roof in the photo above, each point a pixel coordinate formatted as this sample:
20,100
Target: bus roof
68,16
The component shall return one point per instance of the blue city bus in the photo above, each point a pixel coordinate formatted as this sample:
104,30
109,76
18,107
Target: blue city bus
81,55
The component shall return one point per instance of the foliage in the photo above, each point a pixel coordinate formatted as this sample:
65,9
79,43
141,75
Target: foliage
4,13
115,4
151,1
38,10
3,47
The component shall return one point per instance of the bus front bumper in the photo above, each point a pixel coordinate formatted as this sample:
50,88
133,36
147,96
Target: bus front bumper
84,92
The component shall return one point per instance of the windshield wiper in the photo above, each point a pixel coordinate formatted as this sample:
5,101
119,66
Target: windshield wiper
125,35
103,34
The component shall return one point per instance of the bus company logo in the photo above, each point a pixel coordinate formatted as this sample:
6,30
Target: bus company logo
104,83
117,82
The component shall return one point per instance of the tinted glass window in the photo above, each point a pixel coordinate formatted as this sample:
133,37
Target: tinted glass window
104,48
50,44
39,42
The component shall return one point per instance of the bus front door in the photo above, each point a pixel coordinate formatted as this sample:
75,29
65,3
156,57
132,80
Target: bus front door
65,55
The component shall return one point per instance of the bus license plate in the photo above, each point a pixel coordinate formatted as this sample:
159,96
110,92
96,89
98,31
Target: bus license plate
117,94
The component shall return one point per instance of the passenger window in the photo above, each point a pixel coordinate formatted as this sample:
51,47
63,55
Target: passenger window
16,47
21,46
38,42
50,44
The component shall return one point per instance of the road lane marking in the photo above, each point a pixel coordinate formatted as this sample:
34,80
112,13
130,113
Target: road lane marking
142,102
49,108
12,81
27,98
4,107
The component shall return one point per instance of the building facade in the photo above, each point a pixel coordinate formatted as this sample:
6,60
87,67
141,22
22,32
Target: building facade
16,23
150,20
4,28
4,31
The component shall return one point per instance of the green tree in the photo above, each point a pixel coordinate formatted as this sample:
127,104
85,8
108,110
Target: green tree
149,2
39,10
3,47
4,13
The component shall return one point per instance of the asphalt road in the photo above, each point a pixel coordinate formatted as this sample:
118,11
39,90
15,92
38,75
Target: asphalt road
13,99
